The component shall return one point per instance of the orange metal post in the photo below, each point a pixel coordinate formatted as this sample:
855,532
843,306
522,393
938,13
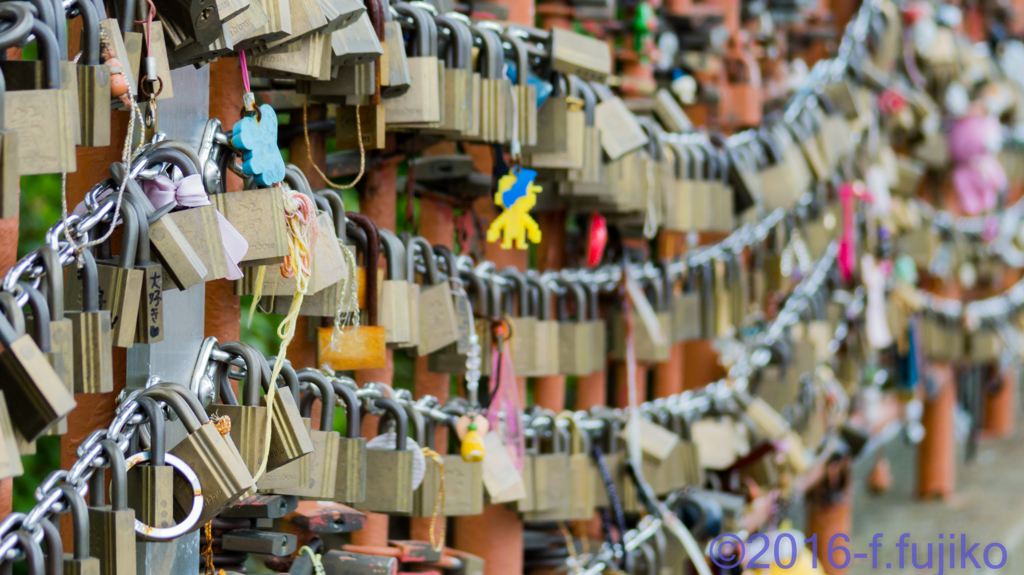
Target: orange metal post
936,462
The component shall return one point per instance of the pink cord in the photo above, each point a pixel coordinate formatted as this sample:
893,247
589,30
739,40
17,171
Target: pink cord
245,72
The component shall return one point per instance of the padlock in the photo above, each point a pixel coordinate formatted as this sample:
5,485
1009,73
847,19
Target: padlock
456,116
463,481
44,112
452,357
491,63
420,104
112,527
391,490
437,318
777,185
61,354
149,326
575,333
214,457
686,311
722,200
92,333
248,420
39,330
523,323
648,348
31,551
546,339
359,43
151,487
10,462
54,547
80,561
589,180
324,458
574,53
394,302
581,498
308,58
550,465
525,93
362,347
289,437
620,131
566,151
10,177
488,305
306,17
394,75
350,476
598,327
326,302
30,381
93,82
120,283
181,264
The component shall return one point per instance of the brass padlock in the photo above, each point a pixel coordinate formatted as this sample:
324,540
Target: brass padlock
93,82
359,43
120,283
456,116
213,457
394,74
438,321
599,328
678,211
574,53
526,93
151,487
575,333
550,465
350,476
580,498
30,382
324,458
391,468
452,358
686,311
149,325
92,333
327,301
80,561
420,104
360,347
248,420
565,150
44,112
546,339
394,303
463,480
289,438
62,352
620,131
112,527
523,323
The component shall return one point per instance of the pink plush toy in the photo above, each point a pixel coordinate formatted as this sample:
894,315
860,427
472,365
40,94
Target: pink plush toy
978,177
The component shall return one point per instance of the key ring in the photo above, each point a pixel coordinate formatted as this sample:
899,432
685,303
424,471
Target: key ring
168,533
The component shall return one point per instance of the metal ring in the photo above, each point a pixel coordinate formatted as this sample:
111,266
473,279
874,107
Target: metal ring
168,533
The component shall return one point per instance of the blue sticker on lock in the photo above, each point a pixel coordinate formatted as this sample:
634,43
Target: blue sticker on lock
257,140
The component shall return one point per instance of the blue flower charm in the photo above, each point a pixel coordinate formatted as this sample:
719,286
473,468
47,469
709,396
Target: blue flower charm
257,139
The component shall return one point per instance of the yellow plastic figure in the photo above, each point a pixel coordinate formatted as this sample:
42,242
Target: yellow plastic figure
517,194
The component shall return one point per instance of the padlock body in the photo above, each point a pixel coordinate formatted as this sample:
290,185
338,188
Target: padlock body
112,539
33,388
350,476
391,489
220,468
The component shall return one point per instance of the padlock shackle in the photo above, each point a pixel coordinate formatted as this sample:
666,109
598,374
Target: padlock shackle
54,547
337,210
21,27
522,57
394,255
291,380
543,309
142,253
170,155
521,292
297,180
157,445
372,259
253,376
377,14
12,311
118,478
130,237
40,316
449,259
401,420
422,38
79,520
323,205
593,300
432,275
90,33
327,397
54,273
575,290
353,424
90,283
33,552
174,395
456,56
589,104
417,422
490,47
479,288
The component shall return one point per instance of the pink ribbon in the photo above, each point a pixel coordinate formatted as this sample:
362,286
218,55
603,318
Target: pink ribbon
189,192
847,240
